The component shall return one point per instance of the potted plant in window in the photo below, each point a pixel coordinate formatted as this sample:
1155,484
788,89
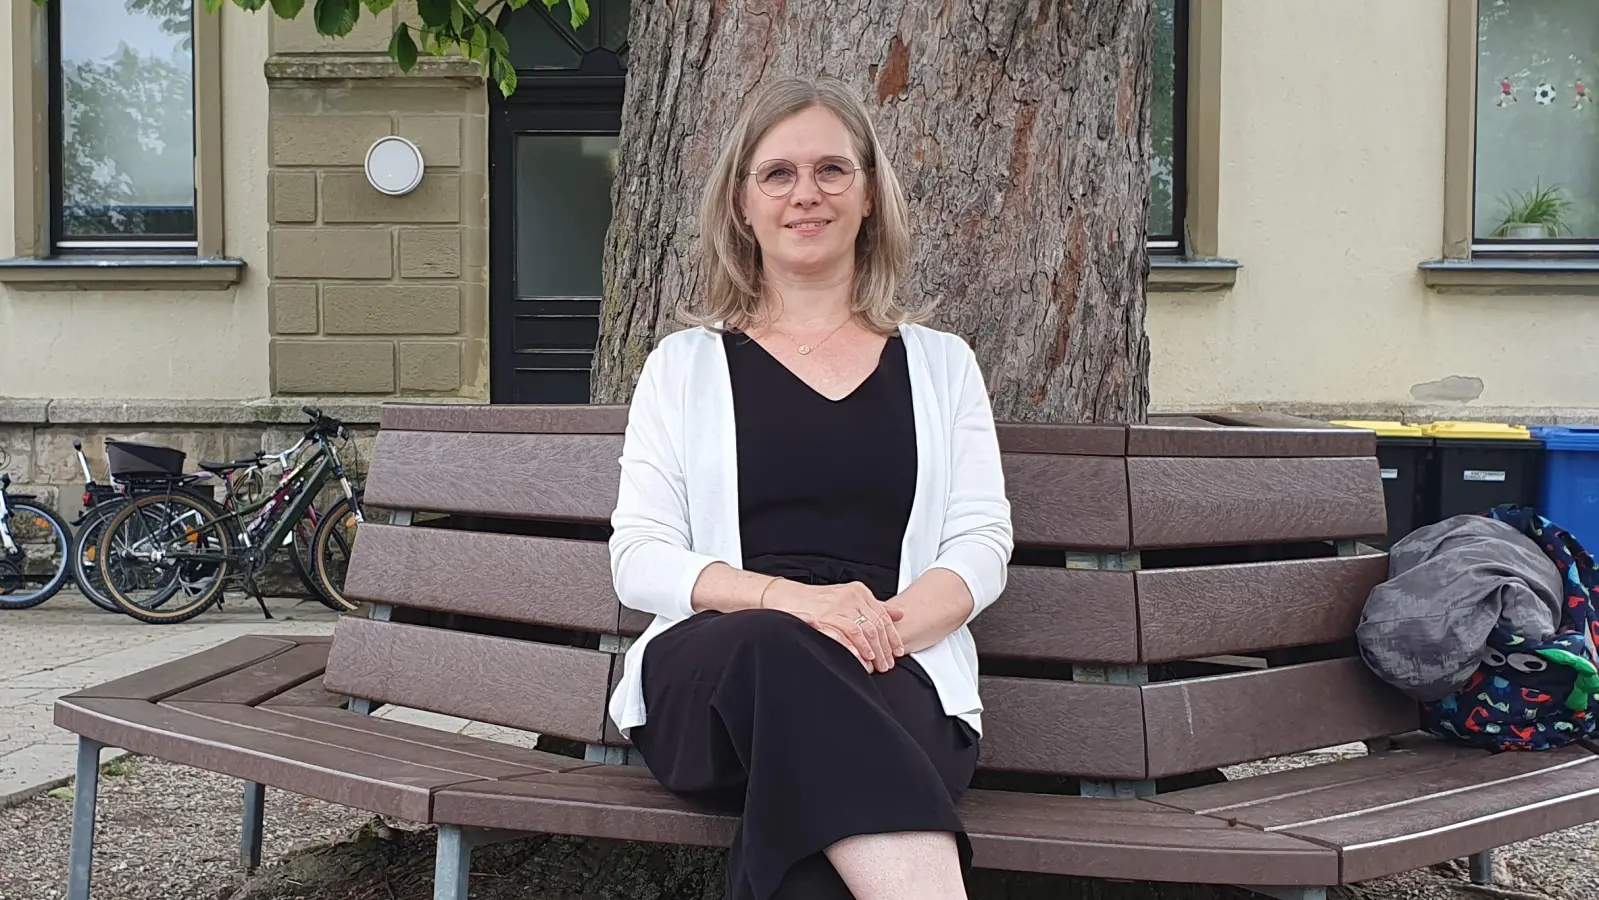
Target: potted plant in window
1540,213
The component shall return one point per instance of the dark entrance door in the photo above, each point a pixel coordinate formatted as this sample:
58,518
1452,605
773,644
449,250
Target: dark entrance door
552,158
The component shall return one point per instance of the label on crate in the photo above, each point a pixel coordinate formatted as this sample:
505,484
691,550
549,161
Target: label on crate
1390,474
1483,475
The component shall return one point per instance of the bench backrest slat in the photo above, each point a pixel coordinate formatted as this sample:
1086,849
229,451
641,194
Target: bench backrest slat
1205,722
1083,615
537,687
1183,501
1196,611
1062,727
536,580
564,476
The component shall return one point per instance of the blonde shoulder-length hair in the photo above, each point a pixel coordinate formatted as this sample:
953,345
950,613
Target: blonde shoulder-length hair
734,296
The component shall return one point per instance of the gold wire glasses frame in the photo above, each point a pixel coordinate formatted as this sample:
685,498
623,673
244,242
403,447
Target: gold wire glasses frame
832,174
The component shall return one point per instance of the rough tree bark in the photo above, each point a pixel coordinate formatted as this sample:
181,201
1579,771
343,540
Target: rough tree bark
1019,127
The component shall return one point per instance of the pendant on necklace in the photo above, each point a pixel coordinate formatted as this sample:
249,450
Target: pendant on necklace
805,349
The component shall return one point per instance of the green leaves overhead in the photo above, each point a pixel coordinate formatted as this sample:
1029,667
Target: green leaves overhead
448,26
337,18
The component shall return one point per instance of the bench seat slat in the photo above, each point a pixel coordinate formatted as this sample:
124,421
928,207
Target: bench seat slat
1064,614
1062,727
310,694
263,680
1199,611
1202,723
519,684
346,777
1438,827
1054,834
181,674
1305,810
1417,754
395,729
422,748
537,580
1193,502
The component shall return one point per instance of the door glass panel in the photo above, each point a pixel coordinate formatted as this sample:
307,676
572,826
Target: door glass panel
563,207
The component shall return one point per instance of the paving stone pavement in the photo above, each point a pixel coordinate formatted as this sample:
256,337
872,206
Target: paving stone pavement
68,644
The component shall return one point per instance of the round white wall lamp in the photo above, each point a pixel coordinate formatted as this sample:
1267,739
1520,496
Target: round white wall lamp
394,165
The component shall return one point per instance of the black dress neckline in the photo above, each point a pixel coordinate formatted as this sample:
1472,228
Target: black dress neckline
853,392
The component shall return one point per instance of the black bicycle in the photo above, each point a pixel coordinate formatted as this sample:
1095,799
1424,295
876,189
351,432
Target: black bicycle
202,545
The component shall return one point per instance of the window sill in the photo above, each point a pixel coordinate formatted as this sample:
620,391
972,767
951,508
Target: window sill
134,273
1512,276
1185,275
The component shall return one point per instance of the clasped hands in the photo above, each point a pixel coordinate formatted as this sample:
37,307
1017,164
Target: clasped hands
847,613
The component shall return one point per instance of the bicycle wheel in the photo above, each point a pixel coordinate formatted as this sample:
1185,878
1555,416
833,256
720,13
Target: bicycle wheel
39,567
146,540
330,554
86,550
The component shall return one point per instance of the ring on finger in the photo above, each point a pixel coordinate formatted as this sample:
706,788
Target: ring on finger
860,620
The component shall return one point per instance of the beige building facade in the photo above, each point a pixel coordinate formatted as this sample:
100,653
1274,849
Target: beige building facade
1321,248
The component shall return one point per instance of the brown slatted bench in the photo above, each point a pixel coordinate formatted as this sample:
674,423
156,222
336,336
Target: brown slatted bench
1182,598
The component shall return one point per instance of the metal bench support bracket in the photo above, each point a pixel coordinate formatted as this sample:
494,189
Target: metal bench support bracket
84,792
380,613
1288,893
1111,562
250,834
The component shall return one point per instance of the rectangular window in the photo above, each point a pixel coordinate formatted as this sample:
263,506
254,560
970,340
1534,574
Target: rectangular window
1168,120
122,126
1537,136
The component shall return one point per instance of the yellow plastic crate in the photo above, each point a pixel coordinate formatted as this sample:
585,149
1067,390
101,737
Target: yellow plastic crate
1478,431
1384,429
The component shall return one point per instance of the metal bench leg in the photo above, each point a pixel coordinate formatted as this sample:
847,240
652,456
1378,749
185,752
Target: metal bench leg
250,835
1482,867
453,865
84,792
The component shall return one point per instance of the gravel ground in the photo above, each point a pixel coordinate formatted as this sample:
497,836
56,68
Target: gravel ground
171,833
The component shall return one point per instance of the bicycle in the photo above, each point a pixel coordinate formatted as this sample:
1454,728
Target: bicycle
28,522
101,501
179,535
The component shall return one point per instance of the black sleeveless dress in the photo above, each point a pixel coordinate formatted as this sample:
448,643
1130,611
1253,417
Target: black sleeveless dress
757,714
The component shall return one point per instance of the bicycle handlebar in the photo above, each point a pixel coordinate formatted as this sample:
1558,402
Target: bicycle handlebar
323,425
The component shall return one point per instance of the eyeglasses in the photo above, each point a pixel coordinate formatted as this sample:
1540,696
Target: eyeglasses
832,174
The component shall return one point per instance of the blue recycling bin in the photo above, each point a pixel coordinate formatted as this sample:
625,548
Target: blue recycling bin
1571,480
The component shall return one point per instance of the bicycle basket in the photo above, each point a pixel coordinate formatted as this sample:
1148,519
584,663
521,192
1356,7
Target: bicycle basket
125,458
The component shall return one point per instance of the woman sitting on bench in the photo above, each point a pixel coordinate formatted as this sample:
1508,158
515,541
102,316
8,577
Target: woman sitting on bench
812,507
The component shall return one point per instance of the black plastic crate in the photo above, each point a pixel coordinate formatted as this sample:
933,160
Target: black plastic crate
1474,476
126,458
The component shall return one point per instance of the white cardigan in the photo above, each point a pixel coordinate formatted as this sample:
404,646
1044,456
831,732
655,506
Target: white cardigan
677,507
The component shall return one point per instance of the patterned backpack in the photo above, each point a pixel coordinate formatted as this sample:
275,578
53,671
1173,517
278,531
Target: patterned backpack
1528,694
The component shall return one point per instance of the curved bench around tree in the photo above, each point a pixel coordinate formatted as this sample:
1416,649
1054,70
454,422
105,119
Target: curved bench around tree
1182,598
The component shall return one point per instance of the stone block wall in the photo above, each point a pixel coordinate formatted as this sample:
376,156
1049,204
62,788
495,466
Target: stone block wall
372,294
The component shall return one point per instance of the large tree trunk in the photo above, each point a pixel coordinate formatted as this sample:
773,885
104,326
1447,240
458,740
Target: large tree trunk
1019,127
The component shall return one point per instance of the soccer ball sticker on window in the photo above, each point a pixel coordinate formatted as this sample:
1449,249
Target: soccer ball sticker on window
1545,93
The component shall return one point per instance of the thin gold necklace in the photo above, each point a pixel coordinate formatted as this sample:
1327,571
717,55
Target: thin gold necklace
805,349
